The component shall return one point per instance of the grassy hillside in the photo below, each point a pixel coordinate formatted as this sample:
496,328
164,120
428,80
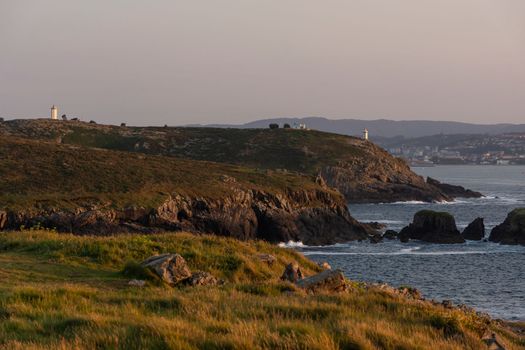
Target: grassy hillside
51,174
360,170
296,150
68,292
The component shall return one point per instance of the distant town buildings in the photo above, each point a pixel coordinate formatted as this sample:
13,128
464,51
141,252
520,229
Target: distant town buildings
503,149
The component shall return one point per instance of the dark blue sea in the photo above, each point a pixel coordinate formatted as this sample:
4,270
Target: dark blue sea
487,276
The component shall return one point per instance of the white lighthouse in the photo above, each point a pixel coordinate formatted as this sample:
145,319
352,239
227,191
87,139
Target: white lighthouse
365,134
54,113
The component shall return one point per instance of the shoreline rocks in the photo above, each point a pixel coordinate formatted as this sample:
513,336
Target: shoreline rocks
475,231
315,217
453,191
431,226
512,230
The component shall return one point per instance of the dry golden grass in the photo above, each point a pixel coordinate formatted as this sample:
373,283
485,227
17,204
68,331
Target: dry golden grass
67,292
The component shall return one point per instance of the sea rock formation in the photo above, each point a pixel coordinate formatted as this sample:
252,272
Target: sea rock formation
512,230
390,234
432,226
475,231
328,280
171,268
453,191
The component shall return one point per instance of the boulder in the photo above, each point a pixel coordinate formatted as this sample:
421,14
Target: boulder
390,234
292,273
201,278
475,231
512,230
171,268
431,226
328,280
267,258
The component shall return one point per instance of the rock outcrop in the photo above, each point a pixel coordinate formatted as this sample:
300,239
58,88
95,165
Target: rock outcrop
390,234
453,191
512,230
171,268
328,281
201,278
475,231
244,215
292,273
431,226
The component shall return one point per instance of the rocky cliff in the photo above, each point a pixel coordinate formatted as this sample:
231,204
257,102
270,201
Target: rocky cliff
88,191
512,230
360,170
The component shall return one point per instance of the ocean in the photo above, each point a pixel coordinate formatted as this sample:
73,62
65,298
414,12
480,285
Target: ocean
487,276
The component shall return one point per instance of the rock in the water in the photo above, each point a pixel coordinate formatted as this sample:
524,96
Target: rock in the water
171,268
377,238
475,231
453,190
432,226
267,258
292,273
325,266
328,280
512,230
390,234
201,278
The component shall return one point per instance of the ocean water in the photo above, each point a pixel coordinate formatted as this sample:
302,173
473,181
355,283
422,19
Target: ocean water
487,276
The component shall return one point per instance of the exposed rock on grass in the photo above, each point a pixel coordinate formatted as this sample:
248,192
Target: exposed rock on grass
171,268
328,281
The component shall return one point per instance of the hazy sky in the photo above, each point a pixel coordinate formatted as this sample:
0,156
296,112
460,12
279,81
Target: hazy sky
230,61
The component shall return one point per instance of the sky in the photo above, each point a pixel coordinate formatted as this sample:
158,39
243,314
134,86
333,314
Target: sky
233,61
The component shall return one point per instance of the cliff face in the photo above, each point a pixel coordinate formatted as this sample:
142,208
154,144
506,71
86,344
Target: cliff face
88,191
360,170
243,215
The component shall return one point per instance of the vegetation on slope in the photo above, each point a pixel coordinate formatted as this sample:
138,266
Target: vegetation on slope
68,292
47,173
360,170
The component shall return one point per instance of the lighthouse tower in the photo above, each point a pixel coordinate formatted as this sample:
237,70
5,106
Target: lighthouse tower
365,134
54,113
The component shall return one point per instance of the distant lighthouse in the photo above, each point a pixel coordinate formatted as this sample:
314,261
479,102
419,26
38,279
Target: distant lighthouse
365,134
54,113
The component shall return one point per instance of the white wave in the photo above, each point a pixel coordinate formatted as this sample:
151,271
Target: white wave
292,244
400,253
409,250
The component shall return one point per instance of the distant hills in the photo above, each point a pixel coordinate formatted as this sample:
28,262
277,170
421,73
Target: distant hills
387,128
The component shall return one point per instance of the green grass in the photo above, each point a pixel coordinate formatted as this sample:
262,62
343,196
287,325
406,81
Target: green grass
68,292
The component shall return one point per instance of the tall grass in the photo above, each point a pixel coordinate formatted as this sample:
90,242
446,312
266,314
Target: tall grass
68,292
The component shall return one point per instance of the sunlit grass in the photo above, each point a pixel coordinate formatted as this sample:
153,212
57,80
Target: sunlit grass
68,292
